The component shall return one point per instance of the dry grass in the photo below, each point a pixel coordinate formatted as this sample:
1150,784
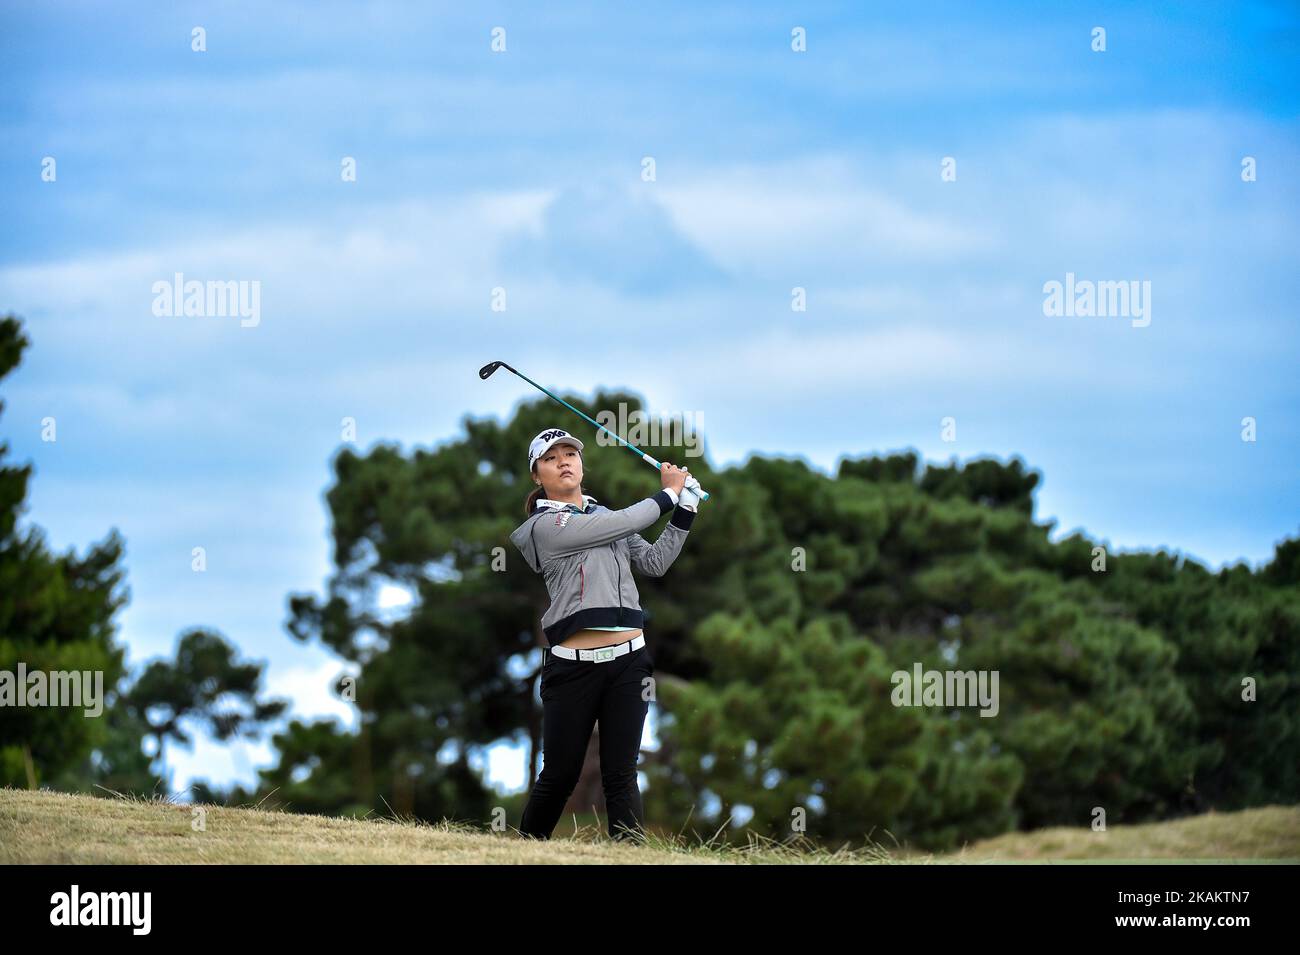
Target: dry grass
51,827
1272,833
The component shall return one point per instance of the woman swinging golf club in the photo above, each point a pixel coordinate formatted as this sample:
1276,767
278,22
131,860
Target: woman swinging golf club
586,553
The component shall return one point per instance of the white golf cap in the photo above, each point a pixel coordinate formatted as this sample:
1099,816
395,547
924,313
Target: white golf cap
542,443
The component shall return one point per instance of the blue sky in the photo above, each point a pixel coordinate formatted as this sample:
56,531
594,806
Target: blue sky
522,170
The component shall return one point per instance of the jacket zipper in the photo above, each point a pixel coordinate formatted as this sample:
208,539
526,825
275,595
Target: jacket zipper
583,589
619,565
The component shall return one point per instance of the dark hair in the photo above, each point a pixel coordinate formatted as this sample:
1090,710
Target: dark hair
531,501
536,493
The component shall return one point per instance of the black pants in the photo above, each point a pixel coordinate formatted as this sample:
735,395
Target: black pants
576,694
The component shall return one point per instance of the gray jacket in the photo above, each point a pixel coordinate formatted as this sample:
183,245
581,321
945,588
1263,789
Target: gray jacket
586,556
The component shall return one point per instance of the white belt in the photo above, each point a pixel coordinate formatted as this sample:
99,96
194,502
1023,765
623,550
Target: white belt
600,654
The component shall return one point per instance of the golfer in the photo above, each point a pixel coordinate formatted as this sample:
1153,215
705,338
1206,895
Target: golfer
596,661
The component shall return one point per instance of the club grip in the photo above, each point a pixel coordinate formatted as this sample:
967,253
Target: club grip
703,494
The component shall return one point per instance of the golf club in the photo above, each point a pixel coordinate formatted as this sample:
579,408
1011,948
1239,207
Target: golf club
486,372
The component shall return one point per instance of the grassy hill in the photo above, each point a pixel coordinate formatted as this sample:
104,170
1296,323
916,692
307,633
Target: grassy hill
51,827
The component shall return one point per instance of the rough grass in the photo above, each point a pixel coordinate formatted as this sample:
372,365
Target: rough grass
43,826
1271,833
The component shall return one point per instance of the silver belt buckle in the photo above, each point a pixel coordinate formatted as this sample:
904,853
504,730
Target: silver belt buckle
604,653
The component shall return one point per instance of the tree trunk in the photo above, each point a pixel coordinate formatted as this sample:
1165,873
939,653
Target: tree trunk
361,767
29,766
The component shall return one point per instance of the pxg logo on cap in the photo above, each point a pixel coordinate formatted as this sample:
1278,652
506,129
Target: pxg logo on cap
542,443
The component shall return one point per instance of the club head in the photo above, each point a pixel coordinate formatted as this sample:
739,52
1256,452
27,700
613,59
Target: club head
486,371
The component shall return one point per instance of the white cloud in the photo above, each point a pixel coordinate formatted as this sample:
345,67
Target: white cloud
809,217
334,277
310,687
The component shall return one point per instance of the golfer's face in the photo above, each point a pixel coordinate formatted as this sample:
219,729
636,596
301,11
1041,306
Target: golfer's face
560,468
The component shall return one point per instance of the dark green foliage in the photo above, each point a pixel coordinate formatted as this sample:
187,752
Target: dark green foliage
56,615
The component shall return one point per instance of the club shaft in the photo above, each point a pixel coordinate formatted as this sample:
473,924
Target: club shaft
627,444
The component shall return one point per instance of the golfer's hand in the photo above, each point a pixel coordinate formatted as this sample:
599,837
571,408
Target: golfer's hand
673,477
690,498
